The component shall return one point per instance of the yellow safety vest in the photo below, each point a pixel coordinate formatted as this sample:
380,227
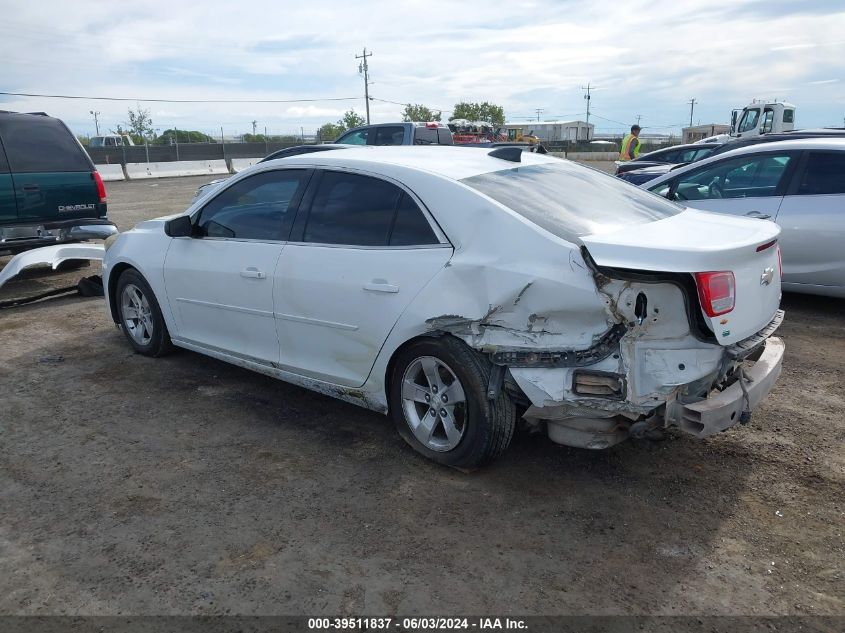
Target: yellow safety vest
630,147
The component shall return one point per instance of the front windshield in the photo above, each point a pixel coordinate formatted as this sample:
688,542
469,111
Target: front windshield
749,120
570,201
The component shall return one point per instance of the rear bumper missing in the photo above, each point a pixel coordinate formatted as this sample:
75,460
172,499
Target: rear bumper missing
722,410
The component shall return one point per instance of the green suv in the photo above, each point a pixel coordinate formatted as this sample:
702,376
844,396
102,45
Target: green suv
50,191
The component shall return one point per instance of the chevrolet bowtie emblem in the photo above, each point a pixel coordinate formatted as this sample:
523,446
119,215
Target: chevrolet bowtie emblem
767,276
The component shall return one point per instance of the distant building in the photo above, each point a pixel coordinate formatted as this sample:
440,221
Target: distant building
553,131
698,132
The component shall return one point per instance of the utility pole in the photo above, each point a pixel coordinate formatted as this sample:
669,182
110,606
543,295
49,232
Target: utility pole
587,97
96,123
364,69
538,111
692,103
639,116
253,127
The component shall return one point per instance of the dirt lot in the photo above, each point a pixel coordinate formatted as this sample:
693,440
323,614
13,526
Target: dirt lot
185,485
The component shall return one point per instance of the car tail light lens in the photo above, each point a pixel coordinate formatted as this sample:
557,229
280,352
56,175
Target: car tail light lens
717,292
780,264
101,187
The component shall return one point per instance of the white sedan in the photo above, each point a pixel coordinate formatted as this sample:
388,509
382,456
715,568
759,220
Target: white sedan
800,184
456,288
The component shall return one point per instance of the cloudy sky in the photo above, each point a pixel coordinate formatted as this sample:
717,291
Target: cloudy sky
645,57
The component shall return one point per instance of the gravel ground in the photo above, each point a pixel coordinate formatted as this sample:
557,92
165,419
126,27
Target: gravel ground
183,485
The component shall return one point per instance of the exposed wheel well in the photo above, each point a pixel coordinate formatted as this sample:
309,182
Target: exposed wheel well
116,272
391,365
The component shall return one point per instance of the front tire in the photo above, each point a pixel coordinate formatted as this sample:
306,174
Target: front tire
140,315
438,401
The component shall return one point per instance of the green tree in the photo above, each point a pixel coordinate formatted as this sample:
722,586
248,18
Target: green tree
140,124
419,112
330,131
489,112
168,137
351,119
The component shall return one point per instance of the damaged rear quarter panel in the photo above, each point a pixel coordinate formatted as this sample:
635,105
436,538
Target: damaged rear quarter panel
511,286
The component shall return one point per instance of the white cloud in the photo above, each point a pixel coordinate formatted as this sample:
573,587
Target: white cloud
649,57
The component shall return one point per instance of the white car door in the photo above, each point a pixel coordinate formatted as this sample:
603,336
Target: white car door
750,185
812,218
354,262
220,282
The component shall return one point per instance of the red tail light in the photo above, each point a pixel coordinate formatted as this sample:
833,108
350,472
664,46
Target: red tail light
101,188
780,264
717,292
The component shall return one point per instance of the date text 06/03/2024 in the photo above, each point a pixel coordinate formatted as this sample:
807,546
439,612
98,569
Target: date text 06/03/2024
417,624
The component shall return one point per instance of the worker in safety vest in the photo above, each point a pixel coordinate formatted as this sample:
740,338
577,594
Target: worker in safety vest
630,144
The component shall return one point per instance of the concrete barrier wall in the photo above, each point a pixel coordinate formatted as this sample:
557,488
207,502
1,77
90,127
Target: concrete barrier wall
239,164
596,160
140,171
111,172
607,166
593,156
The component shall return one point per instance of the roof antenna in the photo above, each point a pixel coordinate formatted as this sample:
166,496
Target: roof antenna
512,154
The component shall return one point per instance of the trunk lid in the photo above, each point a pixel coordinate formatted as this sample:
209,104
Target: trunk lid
697,242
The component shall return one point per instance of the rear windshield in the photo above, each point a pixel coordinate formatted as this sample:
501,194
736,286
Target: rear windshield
41,144
569,200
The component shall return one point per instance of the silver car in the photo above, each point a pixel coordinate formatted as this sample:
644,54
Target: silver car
799,184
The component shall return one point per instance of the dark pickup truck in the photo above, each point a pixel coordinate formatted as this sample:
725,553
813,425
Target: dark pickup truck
50,191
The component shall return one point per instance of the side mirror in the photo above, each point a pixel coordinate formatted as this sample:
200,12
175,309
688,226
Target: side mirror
179,227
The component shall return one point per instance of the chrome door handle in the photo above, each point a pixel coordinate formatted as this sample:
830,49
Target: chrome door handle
252,273
759,216
380,285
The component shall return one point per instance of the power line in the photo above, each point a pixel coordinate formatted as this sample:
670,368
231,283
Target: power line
46,96
404,104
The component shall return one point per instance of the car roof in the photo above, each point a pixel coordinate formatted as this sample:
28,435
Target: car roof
448,161
689,146
757,148
815,142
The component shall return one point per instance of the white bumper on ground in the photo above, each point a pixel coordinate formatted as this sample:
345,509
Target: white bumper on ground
50,255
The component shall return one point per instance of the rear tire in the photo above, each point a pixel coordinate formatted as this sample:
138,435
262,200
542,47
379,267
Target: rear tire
438,402
139,315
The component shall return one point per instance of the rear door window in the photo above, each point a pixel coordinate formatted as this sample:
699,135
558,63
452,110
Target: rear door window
425,136
824,174
388,135
41,144
444,136
411,228
256,208
352,209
